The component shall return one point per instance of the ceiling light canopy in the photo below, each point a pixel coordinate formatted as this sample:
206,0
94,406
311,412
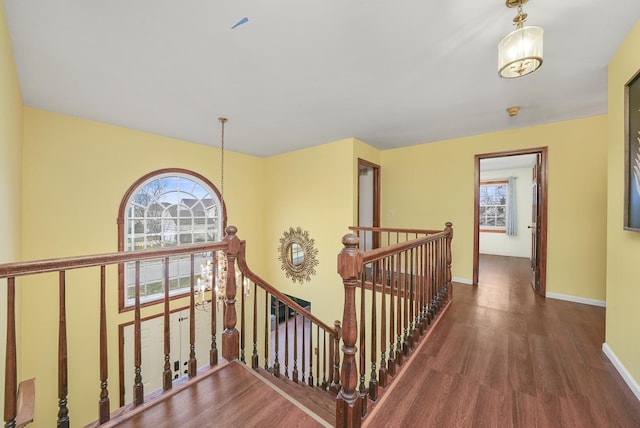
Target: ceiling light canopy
520,52
513,110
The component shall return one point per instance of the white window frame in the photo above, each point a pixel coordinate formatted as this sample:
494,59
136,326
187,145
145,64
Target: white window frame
187,211
483,218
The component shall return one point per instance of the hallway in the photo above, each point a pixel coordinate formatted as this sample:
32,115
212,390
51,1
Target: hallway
504,357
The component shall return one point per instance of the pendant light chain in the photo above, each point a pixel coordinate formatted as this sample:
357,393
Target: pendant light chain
521,17
222,120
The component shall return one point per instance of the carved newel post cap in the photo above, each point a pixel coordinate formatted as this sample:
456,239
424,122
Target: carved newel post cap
350,240
231,230
350,258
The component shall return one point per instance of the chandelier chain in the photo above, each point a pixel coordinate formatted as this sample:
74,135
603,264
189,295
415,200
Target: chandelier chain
222,120
521,17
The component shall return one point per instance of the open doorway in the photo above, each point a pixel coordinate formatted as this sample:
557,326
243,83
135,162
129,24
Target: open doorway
368,202
510,211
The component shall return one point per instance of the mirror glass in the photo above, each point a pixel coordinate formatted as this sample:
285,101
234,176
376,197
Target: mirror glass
295,255
298,255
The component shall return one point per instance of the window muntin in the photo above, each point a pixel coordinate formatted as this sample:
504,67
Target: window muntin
167,210
493,205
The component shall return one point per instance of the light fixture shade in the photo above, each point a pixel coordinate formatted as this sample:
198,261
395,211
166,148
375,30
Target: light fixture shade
520,52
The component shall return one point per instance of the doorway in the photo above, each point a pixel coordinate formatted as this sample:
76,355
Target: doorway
368,202
152,349
534,184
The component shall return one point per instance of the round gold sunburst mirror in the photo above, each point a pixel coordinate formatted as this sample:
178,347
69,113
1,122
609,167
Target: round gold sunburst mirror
297,254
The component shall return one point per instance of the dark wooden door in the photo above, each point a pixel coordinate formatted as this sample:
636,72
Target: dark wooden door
535,226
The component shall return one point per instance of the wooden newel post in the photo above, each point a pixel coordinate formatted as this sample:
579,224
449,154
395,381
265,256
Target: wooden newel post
449,229
348,402
230,336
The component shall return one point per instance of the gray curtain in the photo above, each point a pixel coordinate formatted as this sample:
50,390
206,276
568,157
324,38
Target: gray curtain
512,225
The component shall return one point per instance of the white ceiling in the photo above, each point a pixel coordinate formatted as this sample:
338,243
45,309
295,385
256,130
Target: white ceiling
302,73
508,162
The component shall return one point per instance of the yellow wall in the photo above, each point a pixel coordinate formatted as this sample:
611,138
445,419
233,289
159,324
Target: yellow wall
74,180
623,248
10,170
306,188
429,184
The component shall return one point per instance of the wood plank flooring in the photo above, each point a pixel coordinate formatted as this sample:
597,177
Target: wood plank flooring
230,397
500,357
504,357
321,403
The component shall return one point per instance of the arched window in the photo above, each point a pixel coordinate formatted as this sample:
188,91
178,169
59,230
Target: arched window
166,208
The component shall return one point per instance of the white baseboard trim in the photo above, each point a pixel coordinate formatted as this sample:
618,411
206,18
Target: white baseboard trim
462,280
633,385
575,299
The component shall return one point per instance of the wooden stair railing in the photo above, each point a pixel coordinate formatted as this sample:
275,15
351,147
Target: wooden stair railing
411,278
310,356
26,402
11,271
291,352
381,237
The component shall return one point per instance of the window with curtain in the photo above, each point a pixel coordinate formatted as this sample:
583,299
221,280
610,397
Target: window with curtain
493,201
166,209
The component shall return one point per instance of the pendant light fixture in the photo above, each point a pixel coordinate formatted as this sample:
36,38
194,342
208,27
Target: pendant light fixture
221,257
520,52
213,276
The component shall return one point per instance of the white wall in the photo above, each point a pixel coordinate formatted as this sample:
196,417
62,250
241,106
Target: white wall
520,244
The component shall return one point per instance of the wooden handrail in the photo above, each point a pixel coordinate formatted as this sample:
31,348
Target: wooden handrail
414,277
394,230
380,253
281,352
325,337
26,402
11,271
8,270
411,297
249,274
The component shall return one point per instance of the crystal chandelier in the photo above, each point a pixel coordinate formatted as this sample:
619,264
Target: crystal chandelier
211,279
520,52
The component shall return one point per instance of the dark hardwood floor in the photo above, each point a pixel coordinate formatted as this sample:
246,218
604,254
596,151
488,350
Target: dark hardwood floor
504,357
499,357
231,396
